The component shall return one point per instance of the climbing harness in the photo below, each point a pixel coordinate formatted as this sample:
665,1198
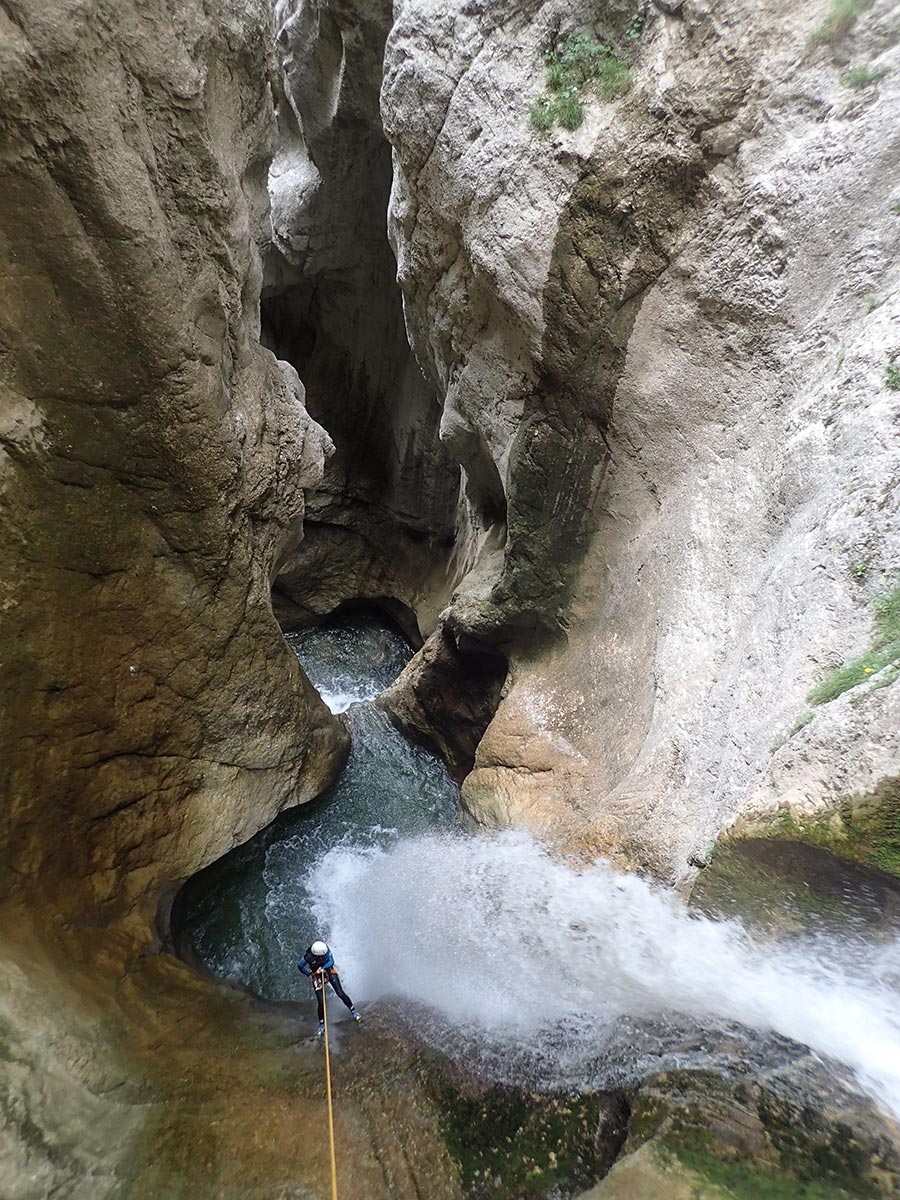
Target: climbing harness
334,1192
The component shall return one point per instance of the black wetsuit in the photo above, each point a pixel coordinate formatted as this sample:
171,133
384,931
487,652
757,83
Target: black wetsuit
310,963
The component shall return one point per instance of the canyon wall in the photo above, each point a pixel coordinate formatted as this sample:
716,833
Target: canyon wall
381,526
655,347
153,462
663,342
622,421
154,458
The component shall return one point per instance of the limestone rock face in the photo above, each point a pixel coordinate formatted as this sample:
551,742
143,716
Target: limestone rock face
446,698
695,1136
153,461
382,524
662,340
154,457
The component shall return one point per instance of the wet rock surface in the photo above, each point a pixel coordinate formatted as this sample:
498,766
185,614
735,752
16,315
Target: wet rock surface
789,1135
640,448
783,886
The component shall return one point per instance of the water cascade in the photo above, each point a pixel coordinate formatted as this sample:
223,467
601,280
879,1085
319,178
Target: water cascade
250,914
507,955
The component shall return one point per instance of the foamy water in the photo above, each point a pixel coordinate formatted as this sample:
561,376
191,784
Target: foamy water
511,946
504,954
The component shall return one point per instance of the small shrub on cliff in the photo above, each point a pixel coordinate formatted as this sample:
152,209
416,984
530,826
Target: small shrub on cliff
862,77
636,28
578,64
839,20
884,650
580,59
892,377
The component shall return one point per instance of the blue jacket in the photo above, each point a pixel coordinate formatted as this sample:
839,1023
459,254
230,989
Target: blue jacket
315,962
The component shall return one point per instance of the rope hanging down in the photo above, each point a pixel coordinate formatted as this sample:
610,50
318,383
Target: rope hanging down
334,1192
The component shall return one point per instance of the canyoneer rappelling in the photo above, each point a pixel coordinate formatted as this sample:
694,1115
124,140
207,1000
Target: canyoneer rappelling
317,964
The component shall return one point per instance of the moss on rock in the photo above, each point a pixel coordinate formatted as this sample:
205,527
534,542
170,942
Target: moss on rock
511,1144
784,886
744,1181
862,828
792,1136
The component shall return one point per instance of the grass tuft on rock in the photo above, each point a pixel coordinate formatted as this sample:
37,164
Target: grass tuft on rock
861,77
542,114
839,20
569,111
575,67
892,377
883,652
614,79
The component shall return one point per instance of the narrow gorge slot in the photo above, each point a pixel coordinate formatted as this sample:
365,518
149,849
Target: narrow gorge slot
450,505
249,916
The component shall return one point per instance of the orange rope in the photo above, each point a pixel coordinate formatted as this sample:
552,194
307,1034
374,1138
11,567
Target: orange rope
334,1192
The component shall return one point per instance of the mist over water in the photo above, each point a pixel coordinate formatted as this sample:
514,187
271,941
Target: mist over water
514,949
507,956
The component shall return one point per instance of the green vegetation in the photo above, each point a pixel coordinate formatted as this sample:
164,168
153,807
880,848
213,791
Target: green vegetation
892,377
873,301
895,208
864,829
575,67
862,77
515,1145
614,79
839,20
884,650
802,721
749,880
743,1181
690,1119
542,116
636,28
859,570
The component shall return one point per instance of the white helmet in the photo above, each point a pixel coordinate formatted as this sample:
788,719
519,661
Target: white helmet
319,949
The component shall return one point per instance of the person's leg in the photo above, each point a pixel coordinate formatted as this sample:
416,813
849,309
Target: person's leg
319,1001
335,981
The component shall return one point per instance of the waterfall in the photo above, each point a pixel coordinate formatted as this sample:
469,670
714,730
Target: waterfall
515,948
506,955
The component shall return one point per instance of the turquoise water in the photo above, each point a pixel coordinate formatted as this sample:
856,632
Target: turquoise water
251,914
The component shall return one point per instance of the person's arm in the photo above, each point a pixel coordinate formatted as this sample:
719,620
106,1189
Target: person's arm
329,962
304,966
